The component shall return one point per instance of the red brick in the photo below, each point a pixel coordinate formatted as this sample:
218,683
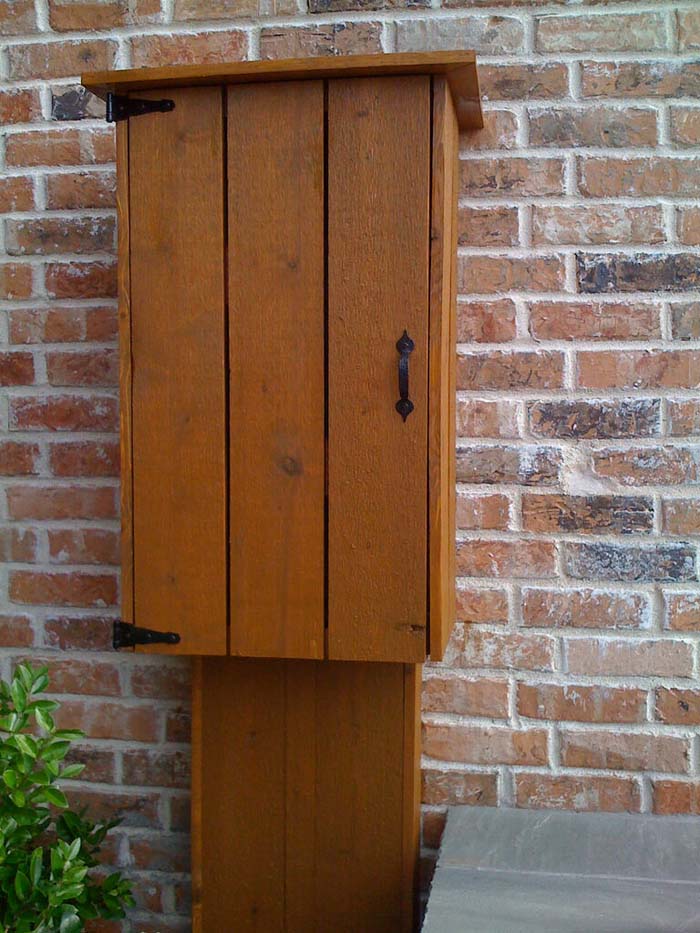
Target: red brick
640,79
519,558
433,826
677,706
681,516
84,458
161,681
110,720
505,369
509,177
591,127
50,236
489,274
60,502
87,16
201,48
16,281
16,194
156,768
100,766
16,369
46,325
503,650
18,458
80,190
634,657
672,797
683,418
622,751
78,368
139,809
685,126
17,17
485,321
61,59
63,413
587,514
639,369
639,177
543,81
16,631
489,34
581,703
597,225
476,605
201,9
19,106
459,788
682,612
490,512
499,131
63,589
17,545
485,745
83,546
484,226
44,147
648,466
688,29
563,320
72,675
159,853
689,226
81,633
525,466
602,32
180,815
544,608
487,698
567,792
81,280
484,418
101,324
178,726
316,39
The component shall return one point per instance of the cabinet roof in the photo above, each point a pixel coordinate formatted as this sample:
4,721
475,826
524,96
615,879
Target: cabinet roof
458,67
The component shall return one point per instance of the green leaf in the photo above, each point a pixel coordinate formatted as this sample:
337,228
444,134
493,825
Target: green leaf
36,866
72,771
26,744
74,849
55,796
10,778
70,921
45,720
18,799
70,735
23,887
18,693
56,750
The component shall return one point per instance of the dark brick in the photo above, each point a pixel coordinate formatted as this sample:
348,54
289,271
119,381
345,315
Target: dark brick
343,6
75,103
646,272
526,466
641,79
661,563
686,320
583,418
592,514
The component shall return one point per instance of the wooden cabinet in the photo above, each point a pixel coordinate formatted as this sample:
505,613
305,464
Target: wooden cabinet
287,312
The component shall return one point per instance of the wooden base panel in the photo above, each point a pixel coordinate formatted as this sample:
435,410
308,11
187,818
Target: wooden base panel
305,796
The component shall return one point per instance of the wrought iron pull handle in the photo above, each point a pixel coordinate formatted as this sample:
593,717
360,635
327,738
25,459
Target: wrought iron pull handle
405,346
125,635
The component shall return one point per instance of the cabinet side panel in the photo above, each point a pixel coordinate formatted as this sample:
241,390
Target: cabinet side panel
441,468
178,376
276,301
378,229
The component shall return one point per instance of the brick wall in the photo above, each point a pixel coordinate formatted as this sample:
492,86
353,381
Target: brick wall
571,680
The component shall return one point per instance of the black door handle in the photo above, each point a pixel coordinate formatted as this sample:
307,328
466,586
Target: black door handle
125,635
405,346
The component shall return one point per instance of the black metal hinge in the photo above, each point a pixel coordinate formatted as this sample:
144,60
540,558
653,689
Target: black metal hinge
125,635
121,108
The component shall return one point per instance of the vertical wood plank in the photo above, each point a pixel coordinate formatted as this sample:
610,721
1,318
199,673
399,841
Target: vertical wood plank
442,388
124,318
178,377
411,793
197,788
378,228
276,289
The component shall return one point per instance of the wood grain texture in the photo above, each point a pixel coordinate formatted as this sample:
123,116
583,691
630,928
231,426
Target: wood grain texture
178,378
197,789
412,678
378,229
459,68
124,318
277,405
441,470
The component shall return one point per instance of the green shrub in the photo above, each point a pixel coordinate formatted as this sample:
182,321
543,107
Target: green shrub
48,852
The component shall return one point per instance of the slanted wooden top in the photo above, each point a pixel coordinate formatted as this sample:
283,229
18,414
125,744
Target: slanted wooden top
458,67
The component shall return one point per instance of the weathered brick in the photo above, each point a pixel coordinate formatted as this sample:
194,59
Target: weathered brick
683,418
76,191
681,517
16,194
160,853
526,466
16,369
481,605
74,675
61,502
16,631
685,126
17,545
63,589
486,34
639,369
81,280
688,29
622,751
163,681
484,226
488,274
488,512
485,321
649,466
685,320
689,226
16,281
581,703
542,81
506,559
671,797
78,368
503,650
516,176
18,458
178,726
595,419
505,369
317,39
225,9
83,546
58,235
19,106
84,458
600,32
661,563
587,514
87,16
110,720
682,612
459,788
560,320
569,792
200,48
641,273
63,413
466,697
17,17
500,131
100,765
584,609
641,79
75,103
639,177
485,745
606,127
485,418
633,657
677,706
139,810
83,633
597,225
156,768
61,59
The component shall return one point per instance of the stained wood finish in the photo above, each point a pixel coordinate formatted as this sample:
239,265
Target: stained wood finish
178,379
378,229
459,68
306,775
277,406
443,258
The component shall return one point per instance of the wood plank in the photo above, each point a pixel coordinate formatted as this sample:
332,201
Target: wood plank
197,788
411,803
277,404
378,230
441,469
124,319
178,379
243,796
459,67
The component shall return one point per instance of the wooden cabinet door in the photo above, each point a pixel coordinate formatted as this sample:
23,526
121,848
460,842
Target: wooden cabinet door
378,256
174,456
